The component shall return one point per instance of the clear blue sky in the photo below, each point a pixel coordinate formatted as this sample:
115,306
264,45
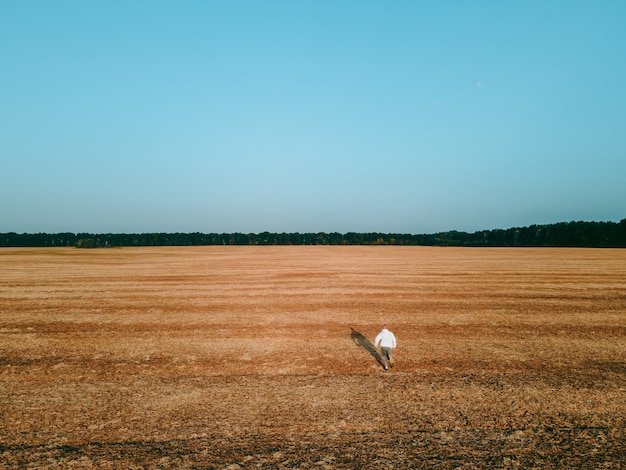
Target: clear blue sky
309,116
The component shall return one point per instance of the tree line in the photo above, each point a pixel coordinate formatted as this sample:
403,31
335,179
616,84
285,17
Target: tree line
564,234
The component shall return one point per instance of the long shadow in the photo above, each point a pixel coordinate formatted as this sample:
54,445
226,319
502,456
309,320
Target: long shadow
362,342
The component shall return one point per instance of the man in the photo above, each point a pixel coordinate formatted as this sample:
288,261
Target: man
387,341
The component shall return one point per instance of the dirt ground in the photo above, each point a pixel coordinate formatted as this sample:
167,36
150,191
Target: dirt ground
262,357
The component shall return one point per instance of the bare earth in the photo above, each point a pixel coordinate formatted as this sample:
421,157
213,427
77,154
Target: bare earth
261,357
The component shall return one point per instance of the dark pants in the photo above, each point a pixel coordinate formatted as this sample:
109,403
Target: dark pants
386,356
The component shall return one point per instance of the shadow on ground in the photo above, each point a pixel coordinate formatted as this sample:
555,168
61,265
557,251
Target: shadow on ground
361,341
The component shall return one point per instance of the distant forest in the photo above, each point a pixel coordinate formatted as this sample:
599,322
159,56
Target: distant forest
564,234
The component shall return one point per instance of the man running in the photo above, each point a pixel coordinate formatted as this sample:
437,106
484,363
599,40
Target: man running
387,341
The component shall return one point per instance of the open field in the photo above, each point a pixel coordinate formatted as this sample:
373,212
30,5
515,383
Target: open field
261,357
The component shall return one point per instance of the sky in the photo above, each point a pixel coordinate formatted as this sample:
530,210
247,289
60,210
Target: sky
310,116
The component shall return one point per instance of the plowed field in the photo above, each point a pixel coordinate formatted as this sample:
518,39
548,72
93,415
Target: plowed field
262,357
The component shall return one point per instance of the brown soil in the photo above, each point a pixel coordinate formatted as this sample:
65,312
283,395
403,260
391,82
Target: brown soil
261,357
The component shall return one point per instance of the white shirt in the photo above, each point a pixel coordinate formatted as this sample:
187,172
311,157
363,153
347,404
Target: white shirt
386,339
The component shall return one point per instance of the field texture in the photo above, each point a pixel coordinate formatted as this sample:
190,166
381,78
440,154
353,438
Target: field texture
262,357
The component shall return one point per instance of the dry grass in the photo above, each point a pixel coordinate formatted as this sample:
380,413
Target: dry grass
259,357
